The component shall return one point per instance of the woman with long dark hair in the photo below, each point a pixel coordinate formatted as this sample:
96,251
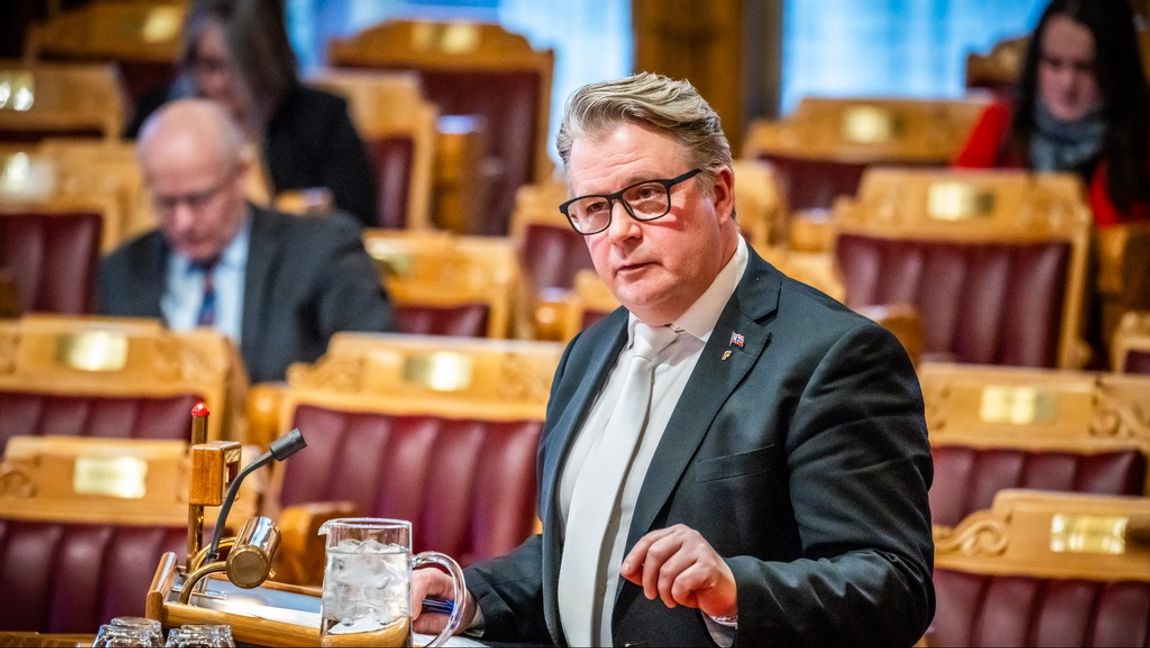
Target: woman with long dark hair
237,52
1080,106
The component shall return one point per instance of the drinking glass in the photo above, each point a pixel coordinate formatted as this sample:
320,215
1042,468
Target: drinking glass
211,636
148,630
367,583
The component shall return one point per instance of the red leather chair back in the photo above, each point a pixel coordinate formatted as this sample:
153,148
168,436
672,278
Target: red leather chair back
552,256
72,577
53,259
134,417
466,321
467,486
979,610
812,183
1137,362
979,303
966,479
509,102
392,158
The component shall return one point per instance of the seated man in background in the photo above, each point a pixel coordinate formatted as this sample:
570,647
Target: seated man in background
278,285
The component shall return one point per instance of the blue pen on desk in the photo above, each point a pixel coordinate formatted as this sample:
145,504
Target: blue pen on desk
438,606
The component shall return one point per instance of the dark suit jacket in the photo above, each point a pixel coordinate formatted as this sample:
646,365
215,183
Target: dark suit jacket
306,279
310,142
803,459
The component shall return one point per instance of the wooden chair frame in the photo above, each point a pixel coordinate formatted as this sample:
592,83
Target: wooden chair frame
1133,334
868,130
119,357
62,97
439,269
142,30
385,104
1052,535
981,206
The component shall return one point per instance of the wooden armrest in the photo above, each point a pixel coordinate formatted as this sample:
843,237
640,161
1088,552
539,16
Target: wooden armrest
262,410
901,319
300,559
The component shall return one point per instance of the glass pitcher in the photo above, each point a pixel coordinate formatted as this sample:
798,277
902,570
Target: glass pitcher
367,583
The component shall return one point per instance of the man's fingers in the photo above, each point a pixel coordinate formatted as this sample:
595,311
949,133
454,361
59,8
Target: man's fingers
632,567
659,552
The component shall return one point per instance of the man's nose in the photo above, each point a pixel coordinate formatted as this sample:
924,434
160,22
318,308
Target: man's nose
622,226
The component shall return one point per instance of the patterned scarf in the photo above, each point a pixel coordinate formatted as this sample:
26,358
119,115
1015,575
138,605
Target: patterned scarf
1065,145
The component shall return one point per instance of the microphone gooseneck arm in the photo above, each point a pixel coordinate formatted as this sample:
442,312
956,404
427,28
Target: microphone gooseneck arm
280,449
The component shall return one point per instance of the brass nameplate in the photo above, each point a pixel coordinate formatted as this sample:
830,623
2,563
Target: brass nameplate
122,477
391,261
958,201
440,371
1094,534
1017,405
17,90
102,350
870,125
454,38
162,25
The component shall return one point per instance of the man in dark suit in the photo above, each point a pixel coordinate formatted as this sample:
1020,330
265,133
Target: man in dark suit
278,285
776,493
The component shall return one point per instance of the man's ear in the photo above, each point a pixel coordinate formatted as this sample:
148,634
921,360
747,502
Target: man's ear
723,192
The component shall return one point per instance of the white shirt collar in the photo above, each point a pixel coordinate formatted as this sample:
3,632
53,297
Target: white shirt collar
234,255
699,320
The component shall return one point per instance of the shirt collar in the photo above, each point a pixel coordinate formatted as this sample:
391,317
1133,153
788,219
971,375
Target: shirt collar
699,320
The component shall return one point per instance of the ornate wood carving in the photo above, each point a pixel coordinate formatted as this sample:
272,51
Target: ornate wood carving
340,374
522,381
9,343
975,537
15,482
1119,416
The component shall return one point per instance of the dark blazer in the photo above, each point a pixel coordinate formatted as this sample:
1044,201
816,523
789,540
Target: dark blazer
310,142
306,279
803,459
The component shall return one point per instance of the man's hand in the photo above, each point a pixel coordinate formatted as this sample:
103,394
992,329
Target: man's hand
434,583
679,566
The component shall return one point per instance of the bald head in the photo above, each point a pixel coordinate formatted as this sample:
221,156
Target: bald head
192,156
196,123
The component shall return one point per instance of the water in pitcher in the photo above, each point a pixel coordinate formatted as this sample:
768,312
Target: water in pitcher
370,603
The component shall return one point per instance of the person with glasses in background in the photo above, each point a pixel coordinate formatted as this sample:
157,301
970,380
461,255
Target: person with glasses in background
279,285
237,53
731,457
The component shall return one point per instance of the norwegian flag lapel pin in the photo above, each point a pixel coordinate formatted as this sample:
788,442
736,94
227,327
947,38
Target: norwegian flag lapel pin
737,339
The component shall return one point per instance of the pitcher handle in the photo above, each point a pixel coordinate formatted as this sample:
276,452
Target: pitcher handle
458,592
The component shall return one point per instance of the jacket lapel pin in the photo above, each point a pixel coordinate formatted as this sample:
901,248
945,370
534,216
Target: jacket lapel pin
737,339
726,354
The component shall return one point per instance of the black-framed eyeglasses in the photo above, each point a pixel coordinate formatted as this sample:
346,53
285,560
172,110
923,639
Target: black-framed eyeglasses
197,200
644,201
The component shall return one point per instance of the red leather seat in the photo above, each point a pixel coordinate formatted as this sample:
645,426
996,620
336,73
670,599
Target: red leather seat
553,256
52,259
467,486
393,158
135,417
814,183
1138,362
982,610
59,577
466,321
983,303
967,479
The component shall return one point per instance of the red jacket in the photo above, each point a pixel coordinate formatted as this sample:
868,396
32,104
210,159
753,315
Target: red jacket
983,150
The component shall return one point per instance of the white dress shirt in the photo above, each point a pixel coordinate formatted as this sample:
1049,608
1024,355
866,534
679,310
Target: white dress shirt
184,288
673,369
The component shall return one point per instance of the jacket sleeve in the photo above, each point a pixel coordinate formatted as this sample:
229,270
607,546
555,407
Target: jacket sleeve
859,469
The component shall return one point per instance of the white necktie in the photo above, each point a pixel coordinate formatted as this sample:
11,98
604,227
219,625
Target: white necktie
595,499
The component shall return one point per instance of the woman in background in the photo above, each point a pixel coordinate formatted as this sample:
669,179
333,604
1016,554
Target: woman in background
1080,106
237,52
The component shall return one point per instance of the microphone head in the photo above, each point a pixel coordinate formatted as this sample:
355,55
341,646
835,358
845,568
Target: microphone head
287,445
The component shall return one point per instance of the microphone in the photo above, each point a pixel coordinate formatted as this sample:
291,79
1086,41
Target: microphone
280,449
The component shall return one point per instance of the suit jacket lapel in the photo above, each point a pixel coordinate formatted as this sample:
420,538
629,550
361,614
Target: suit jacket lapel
154,278
711,383
263,255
